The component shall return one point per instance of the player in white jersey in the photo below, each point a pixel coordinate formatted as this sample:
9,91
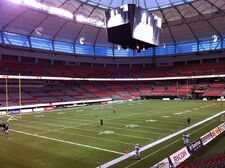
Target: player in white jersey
137,150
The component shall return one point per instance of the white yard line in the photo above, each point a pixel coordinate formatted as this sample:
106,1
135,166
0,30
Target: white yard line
167,145
110,127
66,142
47,131
125,135
117,160
63,128
110,140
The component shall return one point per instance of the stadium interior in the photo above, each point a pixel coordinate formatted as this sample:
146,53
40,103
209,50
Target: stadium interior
57,51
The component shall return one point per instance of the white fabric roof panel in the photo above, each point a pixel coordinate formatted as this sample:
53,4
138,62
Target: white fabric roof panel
181,21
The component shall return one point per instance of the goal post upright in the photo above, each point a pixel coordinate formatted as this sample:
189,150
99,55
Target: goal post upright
20,94
6,95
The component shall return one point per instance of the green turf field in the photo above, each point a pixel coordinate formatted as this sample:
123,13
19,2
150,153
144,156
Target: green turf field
73,138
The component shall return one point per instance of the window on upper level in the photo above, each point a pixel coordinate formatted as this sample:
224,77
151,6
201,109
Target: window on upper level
84,49
15,39
187,48
40,43
123,52
165,50
63,47
103,51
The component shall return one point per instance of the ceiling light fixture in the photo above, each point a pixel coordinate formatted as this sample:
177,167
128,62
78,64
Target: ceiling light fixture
90,21
214,38
40,6
82,40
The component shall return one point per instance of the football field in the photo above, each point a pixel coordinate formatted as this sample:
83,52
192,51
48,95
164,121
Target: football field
74,138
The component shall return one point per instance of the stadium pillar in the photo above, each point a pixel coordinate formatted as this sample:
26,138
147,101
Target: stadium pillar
198,46
29,40
113,50
74,48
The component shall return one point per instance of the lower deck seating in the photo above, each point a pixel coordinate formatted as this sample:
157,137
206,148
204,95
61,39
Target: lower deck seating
215,162
38,91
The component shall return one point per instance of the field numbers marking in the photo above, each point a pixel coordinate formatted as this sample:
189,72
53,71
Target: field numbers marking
131,126
38,116
106,132
61,113
165,116
182,112
151,121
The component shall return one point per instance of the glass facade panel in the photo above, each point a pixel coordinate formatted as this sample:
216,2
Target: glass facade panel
209,45
167,50
224,43
103,51
20,40
84,49
63,47
123,53
146,53
41,43
1,38
187,48
15,39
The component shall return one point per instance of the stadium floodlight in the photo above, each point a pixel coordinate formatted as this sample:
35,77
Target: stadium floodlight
214,38
90,21
39,30
81,40
60,12
34,4
40,6
16,1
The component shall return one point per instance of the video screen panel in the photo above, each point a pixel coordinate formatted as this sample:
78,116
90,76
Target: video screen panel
146,26
132,26
117,17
